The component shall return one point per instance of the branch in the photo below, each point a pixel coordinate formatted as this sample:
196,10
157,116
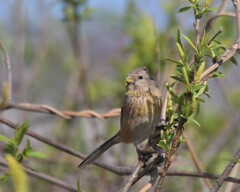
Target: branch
222,6
171,154
226,172
236,4
44,177
235,47
9,73
196,160
61,147
202,175
209,22
225,57
42,108
197,31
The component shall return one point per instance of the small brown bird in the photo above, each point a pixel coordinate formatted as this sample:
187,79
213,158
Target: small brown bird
140,113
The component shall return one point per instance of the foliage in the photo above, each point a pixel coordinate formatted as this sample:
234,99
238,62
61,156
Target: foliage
183,105
12,148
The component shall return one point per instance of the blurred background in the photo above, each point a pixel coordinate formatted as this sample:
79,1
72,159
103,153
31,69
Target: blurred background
74,55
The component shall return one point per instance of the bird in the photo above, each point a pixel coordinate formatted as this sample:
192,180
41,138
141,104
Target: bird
140,113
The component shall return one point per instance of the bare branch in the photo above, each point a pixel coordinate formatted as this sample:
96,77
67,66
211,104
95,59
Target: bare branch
236,3
61,147
196,160
9,71
43,108
222,6
202,175
45,177
197,32
234,173
210,21
226,172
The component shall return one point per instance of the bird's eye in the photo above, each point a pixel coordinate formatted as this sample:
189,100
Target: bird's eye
140,77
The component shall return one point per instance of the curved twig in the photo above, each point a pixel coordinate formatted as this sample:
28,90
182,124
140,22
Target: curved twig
61,147
43,108
218,15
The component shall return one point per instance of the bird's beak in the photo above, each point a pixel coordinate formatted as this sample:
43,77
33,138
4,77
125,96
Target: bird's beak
128,81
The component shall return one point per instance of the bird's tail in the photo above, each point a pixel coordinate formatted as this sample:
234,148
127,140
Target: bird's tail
99,151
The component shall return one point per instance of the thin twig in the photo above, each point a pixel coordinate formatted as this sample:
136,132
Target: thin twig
61,147
225,57
236,4
43,108
219,15
196,160
171,154
164,109
202,175
197,31
222,6
214,37
45,177
133,177
226,172
234,173
235,47
9,71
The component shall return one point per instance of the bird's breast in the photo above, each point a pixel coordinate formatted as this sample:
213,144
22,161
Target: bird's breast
140,115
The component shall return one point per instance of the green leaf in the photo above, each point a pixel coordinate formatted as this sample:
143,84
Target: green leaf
5,139
180,51
5,96
190,43
20,131
36,154
178,39
171,91
163,145
177,78
28,145
11,148
78,185
217,74
234,61
200,100
4,178
171,60
184,9
18,175
194,121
